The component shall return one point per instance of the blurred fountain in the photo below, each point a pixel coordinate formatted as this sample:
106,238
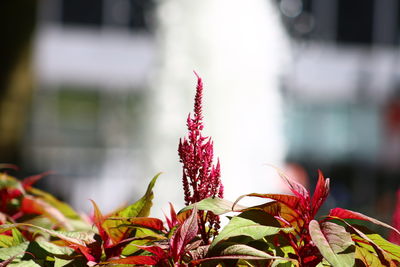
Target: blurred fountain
238,49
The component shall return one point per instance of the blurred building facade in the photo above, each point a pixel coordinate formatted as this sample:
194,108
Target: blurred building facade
341,92
92,62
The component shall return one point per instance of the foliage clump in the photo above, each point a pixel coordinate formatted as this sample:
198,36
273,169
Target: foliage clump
36,229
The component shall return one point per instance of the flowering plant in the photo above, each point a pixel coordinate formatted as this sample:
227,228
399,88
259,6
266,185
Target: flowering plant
36,229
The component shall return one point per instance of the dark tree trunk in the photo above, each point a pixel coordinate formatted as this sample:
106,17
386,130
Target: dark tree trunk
17,24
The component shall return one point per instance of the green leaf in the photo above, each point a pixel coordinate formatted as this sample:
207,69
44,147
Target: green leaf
6,253
292,218
367,257
145,222
392,250
388,247
7,181
61,262
6,241
334,243
117,229
77,240
247,225
29,263
216,205
53,249
144,237
242,252
141,208
17,236
81,238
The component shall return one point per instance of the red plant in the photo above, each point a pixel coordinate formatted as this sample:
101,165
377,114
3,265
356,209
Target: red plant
312,240
180,248
393,236
201,179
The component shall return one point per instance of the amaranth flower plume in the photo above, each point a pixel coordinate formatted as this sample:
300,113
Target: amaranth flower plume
201,179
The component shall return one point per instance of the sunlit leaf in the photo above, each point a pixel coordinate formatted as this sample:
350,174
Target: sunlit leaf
240,251
58,262
242,226
6,241
29,263
54,249
216,205
367,257
348,214
147,222
17,236
19,250
334,243
76,240
391,249
385,258
288,217
140,208
292,202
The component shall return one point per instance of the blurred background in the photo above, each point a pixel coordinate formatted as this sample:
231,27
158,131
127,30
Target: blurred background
99,91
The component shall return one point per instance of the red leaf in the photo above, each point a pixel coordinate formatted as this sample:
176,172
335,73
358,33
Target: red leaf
152,223
348,214
183,235
292,202
98,220
31,205
173,220
29,181
84,250
298,189
393,237
284,214
320,194
147,260
159,252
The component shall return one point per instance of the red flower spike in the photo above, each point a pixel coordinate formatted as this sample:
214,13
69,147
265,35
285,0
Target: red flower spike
200,178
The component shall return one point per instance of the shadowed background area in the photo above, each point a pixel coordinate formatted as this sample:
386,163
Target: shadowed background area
99,92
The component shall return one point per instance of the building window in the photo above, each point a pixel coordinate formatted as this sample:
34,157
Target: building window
123,14
355,21
88,12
